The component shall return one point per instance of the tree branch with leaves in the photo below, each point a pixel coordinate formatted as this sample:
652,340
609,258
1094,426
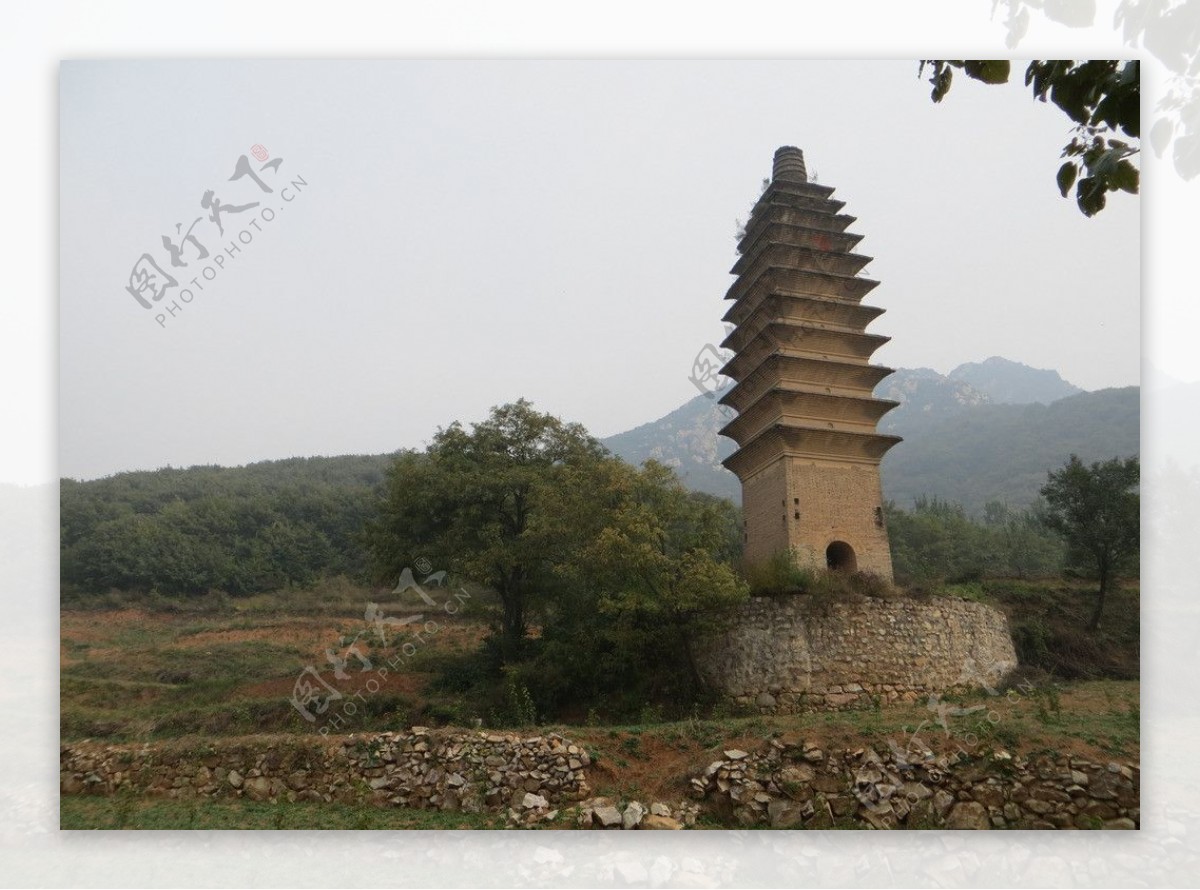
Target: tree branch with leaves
1101,96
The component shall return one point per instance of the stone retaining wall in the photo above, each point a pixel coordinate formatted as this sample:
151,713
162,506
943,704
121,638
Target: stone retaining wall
787,654
418,768
789,783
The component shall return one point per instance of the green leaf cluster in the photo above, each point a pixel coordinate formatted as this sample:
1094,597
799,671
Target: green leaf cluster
1101,96
938,542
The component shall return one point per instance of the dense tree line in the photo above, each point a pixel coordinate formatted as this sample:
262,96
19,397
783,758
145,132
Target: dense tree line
240,530
938,541
279,523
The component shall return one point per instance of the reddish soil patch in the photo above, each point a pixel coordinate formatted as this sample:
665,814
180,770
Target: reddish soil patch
406,683
95,627
302,633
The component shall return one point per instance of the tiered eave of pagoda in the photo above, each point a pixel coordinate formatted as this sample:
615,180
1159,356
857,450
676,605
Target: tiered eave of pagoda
804,382
782,440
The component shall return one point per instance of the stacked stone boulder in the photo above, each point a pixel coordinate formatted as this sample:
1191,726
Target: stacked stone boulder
791,783
420,768
605,813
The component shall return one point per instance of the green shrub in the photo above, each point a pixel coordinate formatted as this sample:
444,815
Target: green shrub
518,708
870,584
968,590
650,714
1049,705
778,574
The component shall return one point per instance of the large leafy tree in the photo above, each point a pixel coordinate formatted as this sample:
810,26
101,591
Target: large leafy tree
620,567
1096,510
1102,97
661,563
490,505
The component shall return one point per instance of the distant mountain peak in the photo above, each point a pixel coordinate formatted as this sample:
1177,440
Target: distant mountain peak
686,440
1012,383
926,392
965,433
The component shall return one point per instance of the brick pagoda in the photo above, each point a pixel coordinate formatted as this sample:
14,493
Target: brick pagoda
808,451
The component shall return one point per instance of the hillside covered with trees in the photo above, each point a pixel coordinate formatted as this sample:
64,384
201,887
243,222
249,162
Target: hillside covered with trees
237,529
1003,452
595,578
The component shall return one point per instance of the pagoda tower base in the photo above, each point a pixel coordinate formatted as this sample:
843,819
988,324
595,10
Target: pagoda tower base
831,518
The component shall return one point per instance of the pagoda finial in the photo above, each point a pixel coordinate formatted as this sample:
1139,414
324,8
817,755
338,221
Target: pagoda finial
789,165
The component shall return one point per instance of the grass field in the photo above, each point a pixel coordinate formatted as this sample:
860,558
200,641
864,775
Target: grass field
99,813
226,667
219,667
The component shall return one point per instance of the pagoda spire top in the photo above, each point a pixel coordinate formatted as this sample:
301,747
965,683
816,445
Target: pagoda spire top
789,165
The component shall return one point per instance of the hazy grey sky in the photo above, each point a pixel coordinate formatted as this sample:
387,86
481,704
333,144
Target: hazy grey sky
471,233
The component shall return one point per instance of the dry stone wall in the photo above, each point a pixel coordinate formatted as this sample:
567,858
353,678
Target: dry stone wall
419,768
788,654
791,783
788,782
